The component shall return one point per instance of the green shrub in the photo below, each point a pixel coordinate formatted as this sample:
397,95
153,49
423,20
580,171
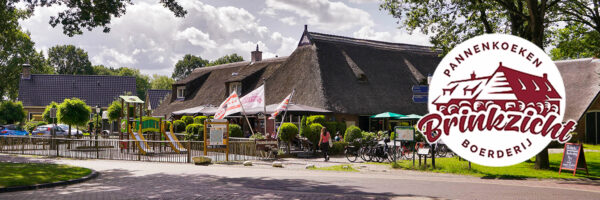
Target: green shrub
194,132
331,127
288,131
187,120
338,147
314,133
368,136
319,119
200,119
303,124
168,125
178,126
352,133
257,136
12,112
31,125
341,127
235,130
392,136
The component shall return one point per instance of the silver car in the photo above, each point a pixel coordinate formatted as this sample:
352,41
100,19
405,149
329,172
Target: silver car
45,130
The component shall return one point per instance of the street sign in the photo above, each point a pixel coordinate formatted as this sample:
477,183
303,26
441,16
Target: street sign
52,112
419,98
420,89
105,115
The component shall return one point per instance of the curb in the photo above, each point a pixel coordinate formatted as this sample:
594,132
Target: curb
90,176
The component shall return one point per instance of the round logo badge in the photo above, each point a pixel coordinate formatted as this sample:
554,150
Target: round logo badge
496,100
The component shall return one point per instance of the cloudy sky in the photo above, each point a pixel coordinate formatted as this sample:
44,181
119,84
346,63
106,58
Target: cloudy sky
151,39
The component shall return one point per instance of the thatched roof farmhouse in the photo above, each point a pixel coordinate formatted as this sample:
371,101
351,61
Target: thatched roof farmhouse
354,78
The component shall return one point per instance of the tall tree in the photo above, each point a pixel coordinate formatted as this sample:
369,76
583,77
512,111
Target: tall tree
142,81
102,70
80,15
185,66
68,59
46,113
586,12
12,112
451,22
226,59
15,48
161,82
575,41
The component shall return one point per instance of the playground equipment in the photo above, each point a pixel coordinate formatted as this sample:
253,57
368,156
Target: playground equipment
140,141
143,124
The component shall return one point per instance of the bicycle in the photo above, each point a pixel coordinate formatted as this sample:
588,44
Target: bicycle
352,151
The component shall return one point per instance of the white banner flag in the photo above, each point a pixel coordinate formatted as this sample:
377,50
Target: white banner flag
229,106
254,99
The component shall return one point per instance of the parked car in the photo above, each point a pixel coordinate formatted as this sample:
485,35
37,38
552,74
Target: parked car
46,130
12,129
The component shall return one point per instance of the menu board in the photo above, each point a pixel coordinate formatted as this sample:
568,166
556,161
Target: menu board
573,158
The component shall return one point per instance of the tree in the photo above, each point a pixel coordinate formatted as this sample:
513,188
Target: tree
287,132
142,81
87,14
184,67
586,12
114,110
161,82
575,41
46,114
16,49
73,112
102,70
226,59
12,112
68,59
451,22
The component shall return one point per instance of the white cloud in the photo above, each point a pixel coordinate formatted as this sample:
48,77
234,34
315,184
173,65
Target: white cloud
112,57
196,37
288,20
364,1
322,13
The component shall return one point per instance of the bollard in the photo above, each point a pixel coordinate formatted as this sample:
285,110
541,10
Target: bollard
189,151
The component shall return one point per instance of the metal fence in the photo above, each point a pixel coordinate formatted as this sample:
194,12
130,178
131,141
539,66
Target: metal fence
116,149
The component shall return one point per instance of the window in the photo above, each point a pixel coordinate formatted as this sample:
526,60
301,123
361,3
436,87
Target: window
235,86
180,92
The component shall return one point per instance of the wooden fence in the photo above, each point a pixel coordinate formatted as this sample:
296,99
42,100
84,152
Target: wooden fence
116,149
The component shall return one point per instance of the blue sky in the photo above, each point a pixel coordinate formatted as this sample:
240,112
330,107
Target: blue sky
148,37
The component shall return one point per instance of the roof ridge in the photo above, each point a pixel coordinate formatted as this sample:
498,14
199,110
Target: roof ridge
80,75
235,64
359,41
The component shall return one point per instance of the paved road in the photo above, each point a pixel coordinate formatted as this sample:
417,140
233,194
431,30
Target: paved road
137,180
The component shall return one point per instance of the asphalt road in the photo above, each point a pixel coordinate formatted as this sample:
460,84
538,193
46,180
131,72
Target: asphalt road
141,180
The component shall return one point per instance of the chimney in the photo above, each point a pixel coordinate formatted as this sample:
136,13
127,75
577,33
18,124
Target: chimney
26,73
256,55
305,27
473,76
545,76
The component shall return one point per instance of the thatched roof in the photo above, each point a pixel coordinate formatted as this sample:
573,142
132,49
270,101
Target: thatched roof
582,84
340,74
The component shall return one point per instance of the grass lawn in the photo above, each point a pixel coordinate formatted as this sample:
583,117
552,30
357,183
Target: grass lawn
337,168
522,170
20,174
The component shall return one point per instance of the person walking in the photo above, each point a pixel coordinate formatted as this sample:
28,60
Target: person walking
324,143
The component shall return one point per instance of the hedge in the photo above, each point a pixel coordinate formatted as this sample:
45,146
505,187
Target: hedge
314,133
178,126
331,127
288,131
187,120
352,133
200,119
194,131
338,147
368,136
341,127
318,119
235,130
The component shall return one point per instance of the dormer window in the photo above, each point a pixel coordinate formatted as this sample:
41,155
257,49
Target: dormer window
235,86
180,92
